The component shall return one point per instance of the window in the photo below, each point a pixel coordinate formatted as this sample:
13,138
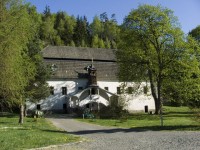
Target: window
145,88
80,88
64,90
94,91
146,109
65,106
38,107
52,90
130,90
118,90
87,105
106,88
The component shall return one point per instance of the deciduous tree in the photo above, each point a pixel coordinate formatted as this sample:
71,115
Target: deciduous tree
151,42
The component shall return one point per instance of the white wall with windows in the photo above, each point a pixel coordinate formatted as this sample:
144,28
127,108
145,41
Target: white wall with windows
60,93
136,97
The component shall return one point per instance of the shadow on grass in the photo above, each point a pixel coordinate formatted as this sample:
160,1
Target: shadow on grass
173,112
4,122
60,116
55,131
8,115
179,114
127,130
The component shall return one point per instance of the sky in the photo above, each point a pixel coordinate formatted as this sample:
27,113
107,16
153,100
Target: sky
187,11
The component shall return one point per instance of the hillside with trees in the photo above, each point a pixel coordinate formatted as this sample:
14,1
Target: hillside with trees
61,29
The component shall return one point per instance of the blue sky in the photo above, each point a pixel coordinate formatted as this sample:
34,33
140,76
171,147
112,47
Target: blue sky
187,11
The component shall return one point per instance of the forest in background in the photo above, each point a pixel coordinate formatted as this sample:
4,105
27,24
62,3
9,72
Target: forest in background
61,29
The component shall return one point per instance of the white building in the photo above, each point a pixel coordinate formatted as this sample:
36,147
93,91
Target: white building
87,78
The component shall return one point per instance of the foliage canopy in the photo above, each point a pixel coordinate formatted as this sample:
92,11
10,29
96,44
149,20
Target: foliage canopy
151,47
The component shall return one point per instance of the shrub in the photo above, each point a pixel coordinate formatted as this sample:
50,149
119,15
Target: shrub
116,109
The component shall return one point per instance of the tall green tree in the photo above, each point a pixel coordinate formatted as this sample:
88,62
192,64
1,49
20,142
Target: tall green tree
64,25
95,42
81,31
37,87
195,33
16,29
96,27
110,29
47,32
151,42
106,29
182,85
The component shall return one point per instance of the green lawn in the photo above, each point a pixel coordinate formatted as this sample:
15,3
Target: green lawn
32,134
175,118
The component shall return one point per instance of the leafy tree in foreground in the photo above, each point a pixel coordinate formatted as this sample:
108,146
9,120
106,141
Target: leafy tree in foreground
20,57
15,31
182,85
37,88
151,41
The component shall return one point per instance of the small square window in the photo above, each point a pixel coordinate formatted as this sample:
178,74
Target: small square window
52,90
118,90
65,106
130,90
87,105
94,91
38,107
80,88
64,90
106,88
145,89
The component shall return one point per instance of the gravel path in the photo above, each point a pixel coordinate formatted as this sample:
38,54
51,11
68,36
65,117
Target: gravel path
110,138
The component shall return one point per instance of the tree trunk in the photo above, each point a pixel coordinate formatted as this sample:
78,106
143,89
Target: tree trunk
25,111
157,106
154,92
21,116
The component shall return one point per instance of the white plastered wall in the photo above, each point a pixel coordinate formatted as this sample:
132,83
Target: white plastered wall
135,102
56,101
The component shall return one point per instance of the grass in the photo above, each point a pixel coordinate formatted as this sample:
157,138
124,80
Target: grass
32,134
175,118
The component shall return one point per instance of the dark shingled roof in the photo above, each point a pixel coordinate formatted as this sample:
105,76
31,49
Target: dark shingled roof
78,53
71,61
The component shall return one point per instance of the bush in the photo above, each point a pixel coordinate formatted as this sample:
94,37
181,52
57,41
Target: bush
38,114
196,113
115,109
194,103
